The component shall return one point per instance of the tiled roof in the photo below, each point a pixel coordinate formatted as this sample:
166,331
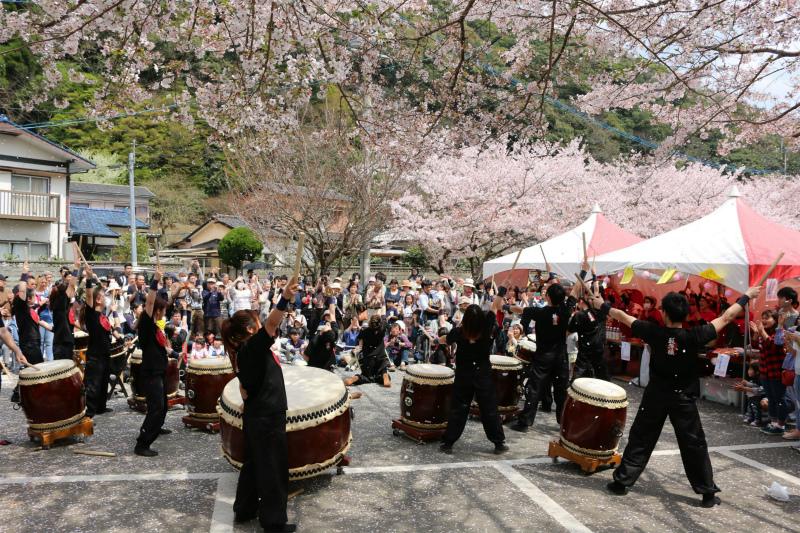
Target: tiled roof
230,220
104,188
96,222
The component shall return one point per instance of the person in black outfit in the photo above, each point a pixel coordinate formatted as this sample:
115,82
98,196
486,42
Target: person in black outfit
590,325
373,361
321,351
98,327
672,392
60,301
550,365
263,487
153,372
30,341
474,339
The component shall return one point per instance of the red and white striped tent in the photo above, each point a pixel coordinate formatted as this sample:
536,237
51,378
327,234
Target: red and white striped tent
733,245
564,252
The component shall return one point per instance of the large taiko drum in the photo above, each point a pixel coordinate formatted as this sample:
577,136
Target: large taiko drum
526,348
594,417
205,380
317,421
79,348
118,359
425,396
52,395
506,376
173,378
136,367
138,401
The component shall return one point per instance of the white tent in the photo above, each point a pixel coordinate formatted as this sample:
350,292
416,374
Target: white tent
565,252
734,245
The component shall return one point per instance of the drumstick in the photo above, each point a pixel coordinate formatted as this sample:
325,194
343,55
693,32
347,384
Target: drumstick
298,260
28,365
768,272
95,453
583,236
298,492
513,267
4,369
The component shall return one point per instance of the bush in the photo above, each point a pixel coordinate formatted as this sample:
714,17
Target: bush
240,244
122,251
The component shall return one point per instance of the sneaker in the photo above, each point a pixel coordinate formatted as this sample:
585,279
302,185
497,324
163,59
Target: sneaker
164,431
710,500
755,424
446,448
145,452
106,410
772,430
747,420
615,487
519,426
500,447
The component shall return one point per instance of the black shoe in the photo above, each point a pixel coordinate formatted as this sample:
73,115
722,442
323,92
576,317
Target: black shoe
241,518
521,427
145,452
710,500
106,410
617,488
446,448
164,431
15,397
500,447
280,528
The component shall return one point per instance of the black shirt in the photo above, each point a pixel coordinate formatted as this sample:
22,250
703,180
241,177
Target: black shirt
153,343
27,328
590,326
371,338
673,354
59,306
261,377
550,324
99,339
320,351
472,354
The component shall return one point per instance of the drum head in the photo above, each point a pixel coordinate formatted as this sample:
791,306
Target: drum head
313,396
527,344
511,363
47,371
430,371
600,389
79,334
136,356
217,365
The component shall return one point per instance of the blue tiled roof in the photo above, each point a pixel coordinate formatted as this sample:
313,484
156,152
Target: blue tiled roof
96,222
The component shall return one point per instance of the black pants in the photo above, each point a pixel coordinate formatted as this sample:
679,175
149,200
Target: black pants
681,408
473,382
154,388
63,350
95,380
264,478
591,364
546,369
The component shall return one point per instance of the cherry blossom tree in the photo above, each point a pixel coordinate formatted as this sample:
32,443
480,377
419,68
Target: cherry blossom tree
425,75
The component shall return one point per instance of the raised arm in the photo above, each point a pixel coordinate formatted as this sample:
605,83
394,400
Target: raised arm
275,316
621,316
733,311
6,337
152,293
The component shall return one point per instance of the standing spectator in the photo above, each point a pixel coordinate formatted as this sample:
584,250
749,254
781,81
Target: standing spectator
240,296
375,297
41,298
194,296
122,279
469,293
212,312
771,357
393,297
137,293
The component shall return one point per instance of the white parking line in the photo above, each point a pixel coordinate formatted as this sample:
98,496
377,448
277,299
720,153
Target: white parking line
222,517
558,513
735,447
443,466
761,466
176,476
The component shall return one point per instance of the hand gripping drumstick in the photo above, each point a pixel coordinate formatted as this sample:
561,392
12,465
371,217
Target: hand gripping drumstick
298,260
768,272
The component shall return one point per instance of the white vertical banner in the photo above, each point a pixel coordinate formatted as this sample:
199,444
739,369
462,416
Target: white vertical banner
772,289
625,351
721,367
644,369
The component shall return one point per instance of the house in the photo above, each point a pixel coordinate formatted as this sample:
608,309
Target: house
35,175
106,196
97,230
202,243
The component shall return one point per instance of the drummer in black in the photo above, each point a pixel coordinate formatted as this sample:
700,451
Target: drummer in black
153,371
61,296
590,325
672,392
98,327
262,491
473,339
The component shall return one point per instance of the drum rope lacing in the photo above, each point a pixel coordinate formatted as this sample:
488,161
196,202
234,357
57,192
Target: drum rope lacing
426,380
422,425
597,401
59,424
584,451
37,378
233,416
209,370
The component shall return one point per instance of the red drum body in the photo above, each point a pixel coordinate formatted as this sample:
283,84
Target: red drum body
205,380
317,421
52,395
173,378
506,376
425,396
526,350
594,418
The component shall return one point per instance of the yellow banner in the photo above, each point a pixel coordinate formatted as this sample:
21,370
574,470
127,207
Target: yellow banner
627,276
666,276
710,275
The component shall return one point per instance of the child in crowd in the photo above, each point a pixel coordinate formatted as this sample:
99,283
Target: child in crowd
216,349
199,349
755,393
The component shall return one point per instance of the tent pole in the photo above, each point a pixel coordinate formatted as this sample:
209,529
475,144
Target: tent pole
746,353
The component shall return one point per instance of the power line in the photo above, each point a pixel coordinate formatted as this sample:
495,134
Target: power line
55,124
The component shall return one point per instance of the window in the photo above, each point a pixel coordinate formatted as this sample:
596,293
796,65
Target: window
30,184
79,204
121,207
24,250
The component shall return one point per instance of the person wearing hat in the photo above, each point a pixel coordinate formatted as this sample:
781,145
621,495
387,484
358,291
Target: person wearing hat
212,309
468,288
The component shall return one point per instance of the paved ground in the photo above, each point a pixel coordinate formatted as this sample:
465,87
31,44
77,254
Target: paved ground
393,484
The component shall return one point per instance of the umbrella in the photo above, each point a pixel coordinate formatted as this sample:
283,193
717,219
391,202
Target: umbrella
258,265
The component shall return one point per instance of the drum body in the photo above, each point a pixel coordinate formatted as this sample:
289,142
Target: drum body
317,421
594,417
136,367
506,377
205,380
525,350
173,378
425,396
118,359
79,348
52,395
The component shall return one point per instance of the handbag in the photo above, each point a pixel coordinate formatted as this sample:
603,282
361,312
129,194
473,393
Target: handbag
787,377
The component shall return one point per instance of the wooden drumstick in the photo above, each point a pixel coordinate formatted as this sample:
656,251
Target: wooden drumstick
94,453
513,268
294,494
583,236
768,272
298,260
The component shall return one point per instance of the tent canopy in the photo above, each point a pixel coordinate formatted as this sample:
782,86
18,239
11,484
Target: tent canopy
734,241
565,252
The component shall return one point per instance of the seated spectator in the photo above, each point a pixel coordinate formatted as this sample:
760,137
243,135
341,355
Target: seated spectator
216,349
398,347
199,350
292,347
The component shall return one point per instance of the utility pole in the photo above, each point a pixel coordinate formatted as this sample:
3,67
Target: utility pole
131,164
